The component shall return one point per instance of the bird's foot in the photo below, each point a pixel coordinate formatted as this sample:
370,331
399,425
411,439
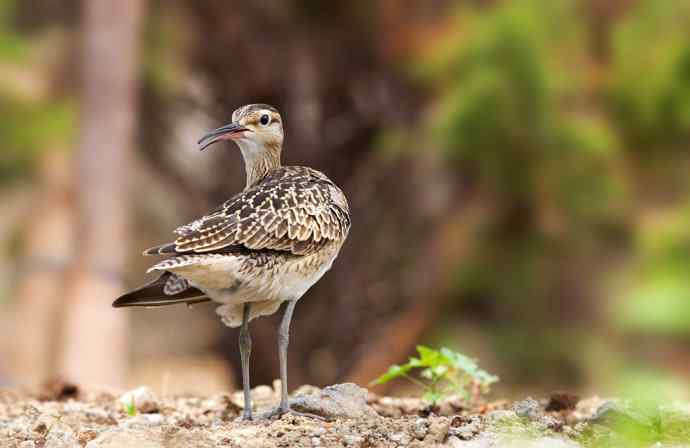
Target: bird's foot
245,417
279,411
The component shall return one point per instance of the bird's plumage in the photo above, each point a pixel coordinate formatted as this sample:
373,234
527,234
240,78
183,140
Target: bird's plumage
293,209
264,246
167,289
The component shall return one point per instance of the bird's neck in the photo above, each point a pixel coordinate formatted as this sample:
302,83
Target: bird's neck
259,160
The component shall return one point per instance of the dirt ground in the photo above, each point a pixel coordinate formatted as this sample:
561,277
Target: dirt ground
63,416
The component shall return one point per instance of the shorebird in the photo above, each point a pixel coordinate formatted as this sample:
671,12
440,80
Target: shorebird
264,246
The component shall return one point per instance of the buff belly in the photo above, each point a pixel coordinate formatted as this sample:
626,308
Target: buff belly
265,287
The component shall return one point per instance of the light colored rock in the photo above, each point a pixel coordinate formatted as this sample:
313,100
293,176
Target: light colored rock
352,440
438,430
338,401
468,430
142,398
142,437
528,408
541,442
483,441
28,444
61,436
420,428
401,438
501,416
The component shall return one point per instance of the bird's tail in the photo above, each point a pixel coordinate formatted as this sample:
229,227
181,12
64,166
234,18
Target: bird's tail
168,289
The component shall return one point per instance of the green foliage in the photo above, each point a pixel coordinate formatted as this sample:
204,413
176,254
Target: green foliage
638,425
32,121
28,128
656,298
650,91
130,408
441,373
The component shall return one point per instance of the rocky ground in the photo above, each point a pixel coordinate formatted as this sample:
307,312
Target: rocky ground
62,416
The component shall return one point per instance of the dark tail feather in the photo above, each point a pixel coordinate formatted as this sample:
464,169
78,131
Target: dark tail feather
152,294
163,249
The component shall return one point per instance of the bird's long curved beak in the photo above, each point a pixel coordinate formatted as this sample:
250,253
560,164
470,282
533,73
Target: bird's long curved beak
227,132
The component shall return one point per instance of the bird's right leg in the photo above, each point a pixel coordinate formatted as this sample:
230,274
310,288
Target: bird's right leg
245,351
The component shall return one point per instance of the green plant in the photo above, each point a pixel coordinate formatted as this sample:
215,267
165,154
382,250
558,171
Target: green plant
130,408
441,373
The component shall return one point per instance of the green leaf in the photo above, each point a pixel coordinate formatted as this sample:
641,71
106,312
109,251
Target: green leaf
484,378
394,371
439,371
432,396
460,361
429,357
415,362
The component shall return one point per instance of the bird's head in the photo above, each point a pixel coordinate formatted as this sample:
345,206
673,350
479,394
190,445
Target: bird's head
255,128
258,131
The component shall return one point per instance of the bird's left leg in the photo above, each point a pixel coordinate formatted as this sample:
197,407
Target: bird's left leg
245,342
283,342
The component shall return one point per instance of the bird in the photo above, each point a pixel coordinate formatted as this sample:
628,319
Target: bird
266,245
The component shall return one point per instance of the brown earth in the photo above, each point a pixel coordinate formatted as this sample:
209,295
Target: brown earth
63,416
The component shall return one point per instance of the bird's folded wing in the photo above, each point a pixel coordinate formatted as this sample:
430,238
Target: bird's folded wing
296,210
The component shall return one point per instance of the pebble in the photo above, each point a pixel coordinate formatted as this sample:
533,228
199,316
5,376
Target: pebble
438,430
500,416
142,398
420,428
528,408
468,430
61,436
401,438
351,439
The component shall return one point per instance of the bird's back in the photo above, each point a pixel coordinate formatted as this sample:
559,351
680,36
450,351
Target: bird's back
269,243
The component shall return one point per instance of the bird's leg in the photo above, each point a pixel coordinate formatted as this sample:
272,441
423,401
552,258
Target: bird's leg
283,341
246,350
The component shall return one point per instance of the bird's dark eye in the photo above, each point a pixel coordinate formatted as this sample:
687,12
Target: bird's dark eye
265,119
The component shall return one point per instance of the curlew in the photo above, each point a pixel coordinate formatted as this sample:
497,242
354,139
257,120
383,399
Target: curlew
264,246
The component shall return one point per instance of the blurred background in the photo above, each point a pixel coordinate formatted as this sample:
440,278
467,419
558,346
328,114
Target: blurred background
517,174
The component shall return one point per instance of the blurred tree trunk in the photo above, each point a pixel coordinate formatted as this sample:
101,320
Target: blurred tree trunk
95,335
49,246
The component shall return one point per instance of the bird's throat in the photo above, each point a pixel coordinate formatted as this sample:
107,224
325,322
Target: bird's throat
259,160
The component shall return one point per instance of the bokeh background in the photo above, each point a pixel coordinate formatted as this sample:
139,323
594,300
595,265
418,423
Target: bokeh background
517,174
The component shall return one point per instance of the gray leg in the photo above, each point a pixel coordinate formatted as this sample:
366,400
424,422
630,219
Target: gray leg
245,351
283,341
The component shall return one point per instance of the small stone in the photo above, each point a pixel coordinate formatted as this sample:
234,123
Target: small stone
61,436
482,441
438,430
500,416
28,444
338,401
466,430
154,419
142,398
420,428
550,442
400,438
528,408
351,439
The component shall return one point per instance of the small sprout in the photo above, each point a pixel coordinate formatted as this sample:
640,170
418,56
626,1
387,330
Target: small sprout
131,408
442,373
